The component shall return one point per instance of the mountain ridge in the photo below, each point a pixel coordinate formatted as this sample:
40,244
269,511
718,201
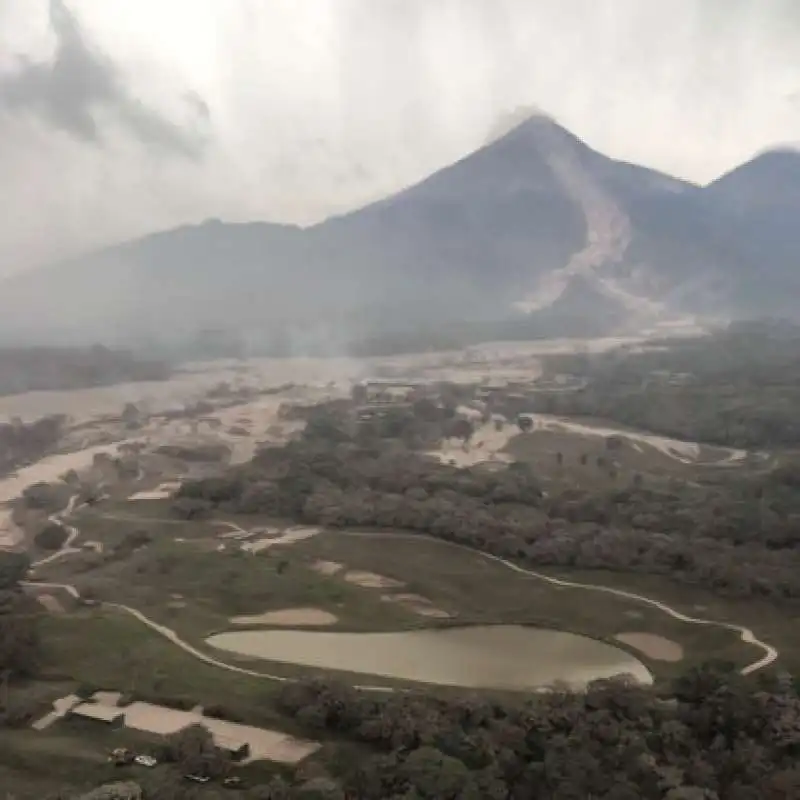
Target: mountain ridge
499,234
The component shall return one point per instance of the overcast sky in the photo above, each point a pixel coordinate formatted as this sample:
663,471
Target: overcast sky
120,117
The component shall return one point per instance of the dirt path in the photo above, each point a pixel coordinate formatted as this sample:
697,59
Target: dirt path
746,635
677,449
173,637
72,534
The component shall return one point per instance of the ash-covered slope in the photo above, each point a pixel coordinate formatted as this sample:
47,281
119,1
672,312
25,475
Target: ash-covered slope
535,222
757,209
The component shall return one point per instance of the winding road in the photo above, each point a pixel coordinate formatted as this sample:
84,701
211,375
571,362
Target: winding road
770,653
745,634
72,534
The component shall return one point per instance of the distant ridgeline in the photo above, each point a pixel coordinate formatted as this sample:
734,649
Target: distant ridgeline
28,369
373,339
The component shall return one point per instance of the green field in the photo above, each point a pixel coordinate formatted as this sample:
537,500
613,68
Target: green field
606,468
194,588
478,590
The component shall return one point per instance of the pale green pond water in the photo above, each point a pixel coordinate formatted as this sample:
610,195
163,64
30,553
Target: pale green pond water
492,656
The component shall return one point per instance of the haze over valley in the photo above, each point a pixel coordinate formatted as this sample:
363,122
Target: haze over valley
533,235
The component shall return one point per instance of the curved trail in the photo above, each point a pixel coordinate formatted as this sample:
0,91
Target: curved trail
746,635
72,534
173,637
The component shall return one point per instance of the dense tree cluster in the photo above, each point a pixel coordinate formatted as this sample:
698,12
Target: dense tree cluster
739,538
712,737
51,537
19,642
23,443
740,387
28,369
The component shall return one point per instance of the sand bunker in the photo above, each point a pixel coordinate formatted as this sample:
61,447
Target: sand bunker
327,567
371,580
161,492
293,617
51,603
656,647
418,604
289,536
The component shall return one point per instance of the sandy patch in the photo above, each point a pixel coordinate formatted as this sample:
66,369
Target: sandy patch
10,534
294,617
107,698
60,708
51,603
371,580
485,445
161,492
327,567
50,469
418,604
289,536
656,647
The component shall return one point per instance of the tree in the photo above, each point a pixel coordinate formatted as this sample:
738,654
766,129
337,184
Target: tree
43,496
426,410
525,423
462,429
51,537
14,567
193,748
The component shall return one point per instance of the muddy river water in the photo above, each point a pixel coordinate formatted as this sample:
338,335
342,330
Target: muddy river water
489,656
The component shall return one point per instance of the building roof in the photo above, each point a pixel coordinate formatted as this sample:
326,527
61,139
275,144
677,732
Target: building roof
98,711
230,743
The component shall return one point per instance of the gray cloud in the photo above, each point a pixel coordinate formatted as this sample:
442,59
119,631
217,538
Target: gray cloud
323,105
81,85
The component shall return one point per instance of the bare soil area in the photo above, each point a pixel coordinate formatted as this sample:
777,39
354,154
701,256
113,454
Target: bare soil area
418,604
50,603
486,445
327,567
161,492
371,580
290,617
289,536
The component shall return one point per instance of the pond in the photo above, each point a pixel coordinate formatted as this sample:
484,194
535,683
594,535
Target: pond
488,656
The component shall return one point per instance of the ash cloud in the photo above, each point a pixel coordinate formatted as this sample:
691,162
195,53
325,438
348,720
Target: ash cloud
81,86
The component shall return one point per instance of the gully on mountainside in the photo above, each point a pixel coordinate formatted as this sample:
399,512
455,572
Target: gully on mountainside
608,231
